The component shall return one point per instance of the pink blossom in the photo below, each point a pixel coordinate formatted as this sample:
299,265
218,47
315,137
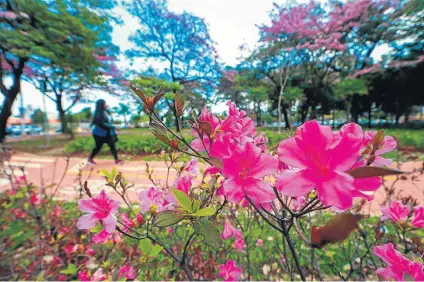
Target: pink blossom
99,208
34,199
90,252
396,211
230,231
261,141
183,183
192,167
208,117
69,249
127,271
298,203
149,198
170,230
388,145
102,237
223,147
244,172
140,219
239,244
212,170
416,270
282,258
320,159
259,243
83,276
98,275
397,264
57,211
62,278
229,271
418,219
19,213
126,222
117,238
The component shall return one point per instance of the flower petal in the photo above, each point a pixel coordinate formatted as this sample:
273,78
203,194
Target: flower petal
258,190
266,165
293,183
87,221
337,191
110,223
233,190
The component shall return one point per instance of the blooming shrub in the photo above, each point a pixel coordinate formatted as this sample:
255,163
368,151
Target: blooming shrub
255,213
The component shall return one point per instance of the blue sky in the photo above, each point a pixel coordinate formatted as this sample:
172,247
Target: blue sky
231,24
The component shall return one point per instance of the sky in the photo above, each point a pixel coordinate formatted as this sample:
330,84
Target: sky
231,24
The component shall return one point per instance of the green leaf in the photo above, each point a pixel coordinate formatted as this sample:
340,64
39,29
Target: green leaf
206,229
167,218
156,249
96,229
196,205
71,270
204,212
255,232
159,132
182,199
145,246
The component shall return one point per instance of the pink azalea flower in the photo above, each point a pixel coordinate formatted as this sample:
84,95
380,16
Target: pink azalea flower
212,170
205,116
57,211
244,172
62,278
98,275
416,270
259,243
150,198
170,230
99,208
223,147
388,145
140,219
183,184
69,249
396,211
102,237
169,203
127,271
192,167
83,276
418,219
229,271
261,141
397,264
321,159
239,244
298,203
117,238
127,222
34,199
90,252
229,230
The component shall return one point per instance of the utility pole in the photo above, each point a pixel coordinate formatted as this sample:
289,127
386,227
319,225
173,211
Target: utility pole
45,120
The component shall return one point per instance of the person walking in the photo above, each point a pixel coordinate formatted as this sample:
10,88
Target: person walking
103,132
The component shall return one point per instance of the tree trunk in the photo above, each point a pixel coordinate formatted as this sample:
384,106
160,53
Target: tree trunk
286,116
10,96
62,115
347,109
397,118
304,114
5,113
258,114
406,116
333,124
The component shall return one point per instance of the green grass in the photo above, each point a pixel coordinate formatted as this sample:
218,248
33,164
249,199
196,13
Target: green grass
140,142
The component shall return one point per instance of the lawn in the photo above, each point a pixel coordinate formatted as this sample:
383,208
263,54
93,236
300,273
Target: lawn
140,143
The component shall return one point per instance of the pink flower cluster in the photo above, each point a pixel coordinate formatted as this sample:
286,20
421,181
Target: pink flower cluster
397,264
229,271
399,212
156,199
230,231
320,159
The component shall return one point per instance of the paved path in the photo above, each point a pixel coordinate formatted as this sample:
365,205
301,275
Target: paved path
47,172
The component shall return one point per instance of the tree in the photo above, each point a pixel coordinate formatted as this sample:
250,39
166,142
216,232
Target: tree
37,34
123,110
38,117
85,115
179,41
